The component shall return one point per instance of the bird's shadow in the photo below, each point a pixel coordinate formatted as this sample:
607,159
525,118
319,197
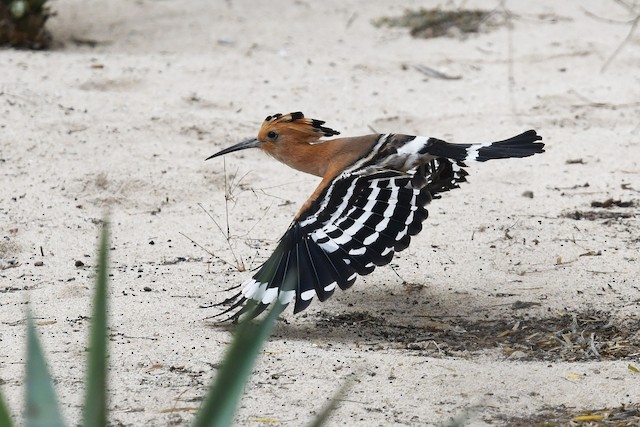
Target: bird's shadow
400,316
378,314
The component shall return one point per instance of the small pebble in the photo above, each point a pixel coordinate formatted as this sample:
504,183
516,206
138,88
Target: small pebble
147,289
38,263
518,355
79,263
528,194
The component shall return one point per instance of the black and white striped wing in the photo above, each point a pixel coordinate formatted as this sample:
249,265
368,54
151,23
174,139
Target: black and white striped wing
360,220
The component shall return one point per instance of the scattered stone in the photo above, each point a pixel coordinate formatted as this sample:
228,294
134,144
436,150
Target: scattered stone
518,354
520,305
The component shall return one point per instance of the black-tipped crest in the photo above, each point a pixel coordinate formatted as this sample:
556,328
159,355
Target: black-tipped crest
325,130
298,118
274,117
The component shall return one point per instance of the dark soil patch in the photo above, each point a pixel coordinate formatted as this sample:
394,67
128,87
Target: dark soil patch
597,215
604,212
609,203
584,336
430,23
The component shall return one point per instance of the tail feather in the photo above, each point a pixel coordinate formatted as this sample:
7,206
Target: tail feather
523,145
442,175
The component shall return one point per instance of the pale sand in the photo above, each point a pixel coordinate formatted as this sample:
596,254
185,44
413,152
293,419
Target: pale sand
125,127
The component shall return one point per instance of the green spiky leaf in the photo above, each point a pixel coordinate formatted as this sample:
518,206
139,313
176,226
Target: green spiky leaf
5,416
95,402
325,413
22,24
42,406
226,391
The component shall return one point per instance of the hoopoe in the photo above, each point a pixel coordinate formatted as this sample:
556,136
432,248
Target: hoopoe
369,203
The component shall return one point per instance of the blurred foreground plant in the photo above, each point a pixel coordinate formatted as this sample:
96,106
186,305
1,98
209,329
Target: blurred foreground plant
22,24
217,409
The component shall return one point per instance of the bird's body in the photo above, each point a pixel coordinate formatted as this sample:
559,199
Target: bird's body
367,206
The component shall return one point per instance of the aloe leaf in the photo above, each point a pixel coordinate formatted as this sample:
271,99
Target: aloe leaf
225,392
95,401
5,416
42,406
325,413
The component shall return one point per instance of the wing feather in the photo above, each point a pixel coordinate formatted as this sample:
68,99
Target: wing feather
362,219
345,275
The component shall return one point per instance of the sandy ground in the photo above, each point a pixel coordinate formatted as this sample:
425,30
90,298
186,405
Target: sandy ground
121,115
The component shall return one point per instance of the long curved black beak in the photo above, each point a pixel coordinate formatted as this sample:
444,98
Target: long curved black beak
249,143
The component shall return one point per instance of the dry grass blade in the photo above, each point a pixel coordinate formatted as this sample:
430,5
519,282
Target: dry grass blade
634,25
634,9
228,195
208,251
238,263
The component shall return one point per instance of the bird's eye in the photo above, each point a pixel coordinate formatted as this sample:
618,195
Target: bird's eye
272,135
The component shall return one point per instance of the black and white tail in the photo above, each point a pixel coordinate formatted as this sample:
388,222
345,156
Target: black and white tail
523,145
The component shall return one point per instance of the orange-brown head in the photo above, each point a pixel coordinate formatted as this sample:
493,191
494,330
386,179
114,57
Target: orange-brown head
280,134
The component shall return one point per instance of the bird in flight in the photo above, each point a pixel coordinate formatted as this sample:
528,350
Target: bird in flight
369,203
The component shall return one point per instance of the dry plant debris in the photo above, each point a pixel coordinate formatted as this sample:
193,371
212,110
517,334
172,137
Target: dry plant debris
623,416
596,215
585,336
430,23
604,214
612,202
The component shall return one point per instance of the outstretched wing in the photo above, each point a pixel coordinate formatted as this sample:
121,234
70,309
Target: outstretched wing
359,221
